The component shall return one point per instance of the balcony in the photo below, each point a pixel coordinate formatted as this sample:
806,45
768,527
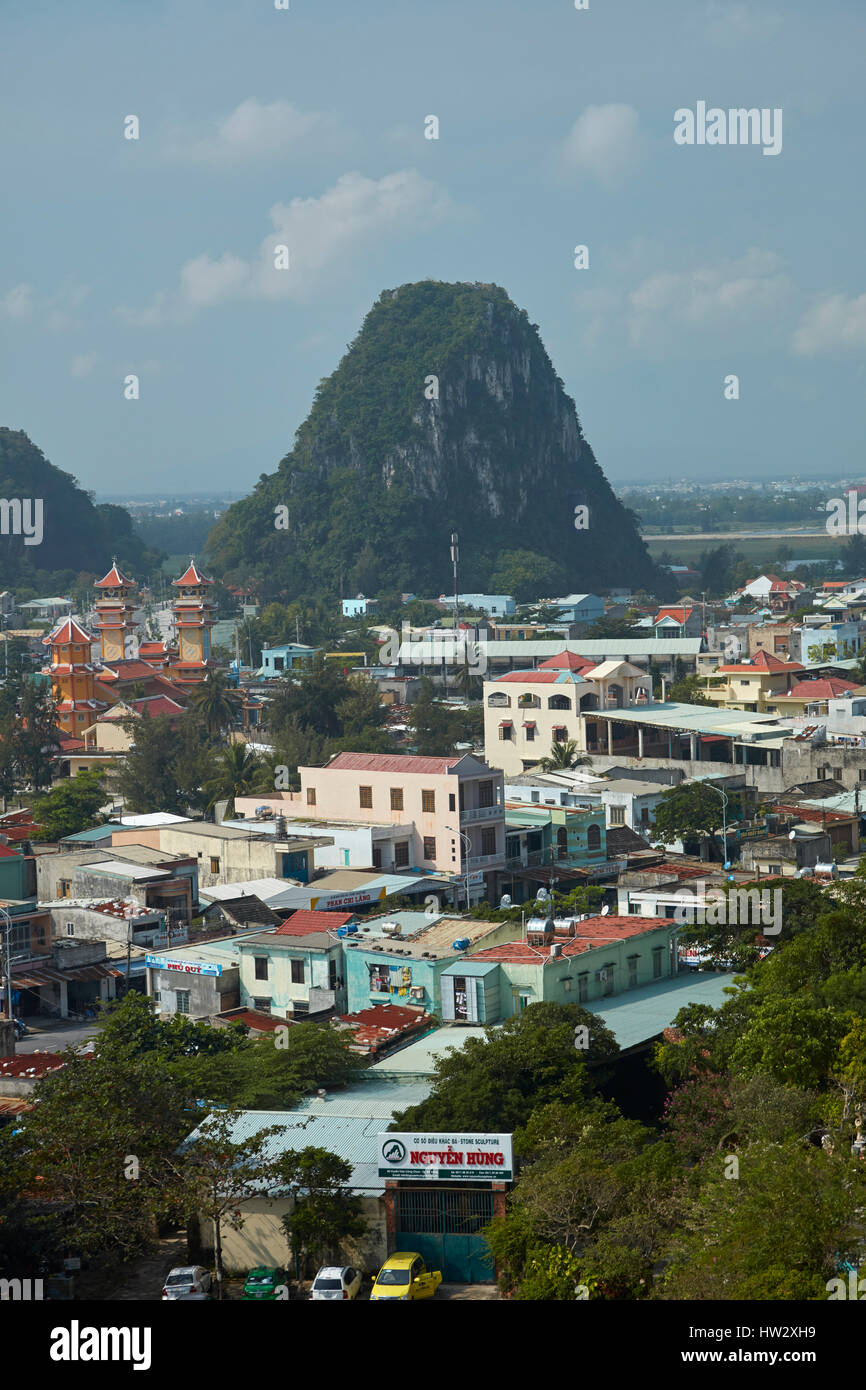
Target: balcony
470,814
484,861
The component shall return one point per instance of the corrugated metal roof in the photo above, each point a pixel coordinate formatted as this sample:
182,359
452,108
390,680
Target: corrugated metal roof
640,1014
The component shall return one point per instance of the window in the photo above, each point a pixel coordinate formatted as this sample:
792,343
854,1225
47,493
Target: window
401,855
182,998
297,972
593,838
65,888
560,733
862,774
429,847
530,733
365,798
506,732
262,1006
332,973
583,987
396,799
607,976
428,803
488,841
452,804
214,864
70,928
377,856
535,796
561,842
156,996
261,967
380,979
486,796
311,796
632,969
617,815
658,952
558,702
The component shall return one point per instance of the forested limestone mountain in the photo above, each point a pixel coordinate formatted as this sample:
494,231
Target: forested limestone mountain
382,470
76,535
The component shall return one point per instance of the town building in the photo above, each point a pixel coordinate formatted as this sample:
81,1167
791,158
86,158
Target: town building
193,620
73,676
115,623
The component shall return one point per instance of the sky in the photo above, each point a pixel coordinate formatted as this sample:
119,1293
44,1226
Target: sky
305,127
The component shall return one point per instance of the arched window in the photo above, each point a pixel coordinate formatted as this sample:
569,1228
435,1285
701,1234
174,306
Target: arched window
561,842
593,837
498,701
558,702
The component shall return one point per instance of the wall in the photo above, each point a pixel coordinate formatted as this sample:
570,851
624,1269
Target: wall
278,987
262,1240
208,994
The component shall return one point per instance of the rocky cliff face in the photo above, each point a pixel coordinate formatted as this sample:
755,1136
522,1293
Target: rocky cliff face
445,413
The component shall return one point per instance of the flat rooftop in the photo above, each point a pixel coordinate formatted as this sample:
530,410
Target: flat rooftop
436,941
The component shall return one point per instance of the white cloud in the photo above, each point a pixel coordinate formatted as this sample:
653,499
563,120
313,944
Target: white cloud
735,294
255,131
83,363
604,142
669,311
733,23
17,303
834,324
323,234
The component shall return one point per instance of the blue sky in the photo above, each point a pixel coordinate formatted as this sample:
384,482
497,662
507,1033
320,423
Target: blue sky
306,128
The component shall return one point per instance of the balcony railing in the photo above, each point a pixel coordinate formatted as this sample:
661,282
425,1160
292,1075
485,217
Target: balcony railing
476,813
479,861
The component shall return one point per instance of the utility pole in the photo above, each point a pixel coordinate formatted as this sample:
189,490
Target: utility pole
455,556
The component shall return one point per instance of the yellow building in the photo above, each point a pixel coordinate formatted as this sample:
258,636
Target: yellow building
73,682
193,620
114,608
754,684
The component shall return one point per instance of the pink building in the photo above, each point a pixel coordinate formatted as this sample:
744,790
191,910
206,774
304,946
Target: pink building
452,809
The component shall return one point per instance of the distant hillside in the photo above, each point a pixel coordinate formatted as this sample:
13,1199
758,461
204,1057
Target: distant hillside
379,475
77,536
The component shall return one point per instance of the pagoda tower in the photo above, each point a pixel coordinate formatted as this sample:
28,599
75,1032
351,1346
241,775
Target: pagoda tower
193,620
114,622
72,677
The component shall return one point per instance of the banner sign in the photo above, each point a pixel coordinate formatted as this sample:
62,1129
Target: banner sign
184,967
446,1157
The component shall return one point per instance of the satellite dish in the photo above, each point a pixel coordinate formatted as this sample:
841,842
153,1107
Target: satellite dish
605,910
792,834
542,895
505,900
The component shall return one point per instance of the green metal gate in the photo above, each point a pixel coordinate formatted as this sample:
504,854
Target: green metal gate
443,1225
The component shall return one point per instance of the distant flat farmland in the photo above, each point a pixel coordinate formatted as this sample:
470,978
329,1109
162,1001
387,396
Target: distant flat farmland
759,547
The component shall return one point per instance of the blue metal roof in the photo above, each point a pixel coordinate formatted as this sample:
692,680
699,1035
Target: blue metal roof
640,1014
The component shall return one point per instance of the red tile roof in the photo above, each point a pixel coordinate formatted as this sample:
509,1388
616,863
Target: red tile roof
305,921
826,689
31,1064
388,762
565,661
595,931
65,632
114,580
538,677
681,615
763,661
192,575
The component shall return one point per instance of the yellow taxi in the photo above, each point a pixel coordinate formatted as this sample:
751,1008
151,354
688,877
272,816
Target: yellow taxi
405,1276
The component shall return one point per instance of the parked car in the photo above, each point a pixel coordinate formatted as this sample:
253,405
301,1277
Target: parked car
405,1276
184,1279
265,1282
336,1281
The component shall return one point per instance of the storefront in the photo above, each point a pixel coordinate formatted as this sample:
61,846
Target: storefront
441,1190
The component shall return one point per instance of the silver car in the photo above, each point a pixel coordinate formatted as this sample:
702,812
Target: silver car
336,1281
186,1279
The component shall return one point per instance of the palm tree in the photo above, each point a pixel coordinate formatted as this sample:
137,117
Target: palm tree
216,702
235,772
564,756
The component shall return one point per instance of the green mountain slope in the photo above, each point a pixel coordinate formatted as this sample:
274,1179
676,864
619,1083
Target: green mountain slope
379,474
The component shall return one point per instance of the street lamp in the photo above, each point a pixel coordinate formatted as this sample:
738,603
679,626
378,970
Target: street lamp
8,963
724,797
466,841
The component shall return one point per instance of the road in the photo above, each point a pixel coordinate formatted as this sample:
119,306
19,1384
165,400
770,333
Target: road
53,1034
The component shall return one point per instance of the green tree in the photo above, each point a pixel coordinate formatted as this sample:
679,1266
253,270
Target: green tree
563,756
234,772
325,1212
146,779
70,806
216,702
690,809
36,738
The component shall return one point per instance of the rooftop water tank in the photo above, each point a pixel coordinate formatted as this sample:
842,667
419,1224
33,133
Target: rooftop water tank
461,944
